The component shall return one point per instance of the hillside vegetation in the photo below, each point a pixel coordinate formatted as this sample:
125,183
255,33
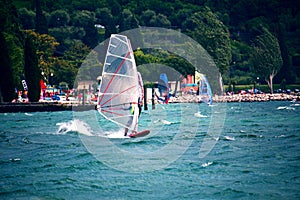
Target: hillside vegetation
63,32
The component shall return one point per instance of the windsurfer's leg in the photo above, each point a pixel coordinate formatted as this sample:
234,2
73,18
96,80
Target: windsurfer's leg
128,125
140,109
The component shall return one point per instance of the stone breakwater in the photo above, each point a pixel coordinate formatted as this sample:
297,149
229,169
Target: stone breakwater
239,98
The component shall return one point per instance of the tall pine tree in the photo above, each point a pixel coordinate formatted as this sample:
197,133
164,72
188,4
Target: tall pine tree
32,72
10,56
7,92
41,25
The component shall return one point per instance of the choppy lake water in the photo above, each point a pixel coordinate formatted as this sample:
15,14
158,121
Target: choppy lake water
44,155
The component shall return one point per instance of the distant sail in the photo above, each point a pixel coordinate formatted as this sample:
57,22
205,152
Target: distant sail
163,85
119,88
204,90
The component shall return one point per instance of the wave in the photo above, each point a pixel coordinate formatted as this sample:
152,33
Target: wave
65,127
199,115
229,138
82,128
166,122
206,164
296,104
115,134
285,108
74,126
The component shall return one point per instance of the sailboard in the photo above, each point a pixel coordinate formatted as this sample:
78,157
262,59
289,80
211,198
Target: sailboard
204,90
139,134
119,88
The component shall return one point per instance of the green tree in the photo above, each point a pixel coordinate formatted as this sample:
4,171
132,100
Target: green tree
105,18
90,68
32,71
285,72
27,18
150,18
45,46
7,92
128,21
146,16
63,71
66,68
59,18
66,35
179,64
178,18
212,34
76,53
116,9
160,20
12,48
86,20
16,55
41,24
266,57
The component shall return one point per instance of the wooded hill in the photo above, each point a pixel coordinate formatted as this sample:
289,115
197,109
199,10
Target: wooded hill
63,32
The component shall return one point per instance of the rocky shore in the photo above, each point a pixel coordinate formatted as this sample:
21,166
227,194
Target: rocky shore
240,98
60,106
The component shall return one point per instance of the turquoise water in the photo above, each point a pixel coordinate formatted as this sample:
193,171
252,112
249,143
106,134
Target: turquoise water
44,155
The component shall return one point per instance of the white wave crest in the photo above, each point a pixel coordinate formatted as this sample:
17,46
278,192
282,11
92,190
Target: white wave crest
229,138
199,115
75,126
206,164
285,108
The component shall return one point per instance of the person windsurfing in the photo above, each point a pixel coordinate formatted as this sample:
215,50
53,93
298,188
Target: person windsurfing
139,104
131,109
165,98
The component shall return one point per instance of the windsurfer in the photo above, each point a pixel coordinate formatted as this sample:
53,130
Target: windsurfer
140,105
165,100
131,111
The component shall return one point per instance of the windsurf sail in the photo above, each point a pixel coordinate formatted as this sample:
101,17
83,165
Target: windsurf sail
163,85
119,87
163,88
204,90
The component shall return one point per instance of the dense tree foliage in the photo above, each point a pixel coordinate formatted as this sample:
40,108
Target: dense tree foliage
6,83
11,61
59,18
41,24
226,29
212,34
105,18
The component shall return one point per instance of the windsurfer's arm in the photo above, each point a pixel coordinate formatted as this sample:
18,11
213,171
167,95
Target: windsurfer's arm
158,98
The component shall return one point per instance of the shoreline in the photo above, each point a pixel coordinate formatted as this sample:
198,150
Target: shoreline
239,98
75,106
43,107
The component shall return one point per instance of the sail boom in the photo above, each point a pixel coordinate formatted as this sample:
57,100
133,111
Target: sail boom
123,75
122,57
